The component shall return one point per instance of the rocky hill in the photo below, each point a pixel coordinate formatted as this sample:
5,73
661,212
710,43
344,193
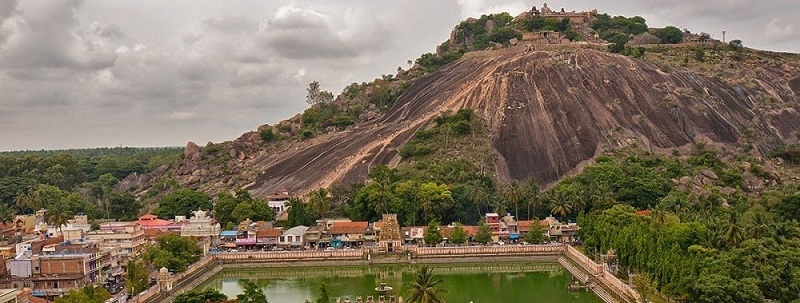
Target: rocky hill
548,112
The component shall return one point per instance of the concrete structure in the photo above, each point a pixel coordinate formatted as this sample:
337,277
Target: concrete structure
293,237
69,267
127,242
279,201
389,233
200,225
8,295
576,18
348,234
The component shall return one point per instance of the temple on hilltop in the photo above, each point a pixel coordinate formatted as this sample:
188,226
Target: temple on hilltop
576,18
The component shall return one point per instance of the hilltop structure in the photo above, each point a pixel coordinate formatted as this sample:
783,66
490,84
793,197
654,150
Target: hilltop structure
576,18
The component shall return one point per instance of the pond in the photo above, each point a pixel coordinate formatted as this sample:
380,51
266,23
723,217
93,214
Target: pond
478,283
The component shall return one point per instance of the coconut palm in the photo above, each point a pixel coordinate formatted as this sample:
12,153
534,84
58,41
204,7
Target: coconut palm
321,201
424,288
513,192
532,196
58,215
560,205
478,195
7,213
735,232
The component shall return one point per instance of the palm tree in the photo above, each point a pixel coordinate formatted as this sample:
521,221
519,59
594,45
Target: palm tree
478,195
320,201
58,215
7,213
532,196
735,233
513,192
423,288
560,204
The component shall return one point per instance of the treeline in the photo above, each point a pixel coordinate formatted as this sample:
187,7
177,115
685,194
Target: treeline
75,181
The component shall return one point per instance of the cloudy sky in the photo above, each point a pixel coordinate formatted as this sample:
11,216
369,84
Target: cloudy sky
161,73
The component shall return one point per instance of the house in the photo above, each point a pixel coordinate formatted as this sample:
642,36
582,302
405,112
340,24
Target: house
227,238
348,234
279,201
268,237
150,221
563,233
413,234
8,295
293,237
317,236
128,242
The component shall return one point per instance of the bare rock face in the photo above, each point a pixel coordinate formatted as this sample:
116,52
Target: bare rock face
710,174
548,112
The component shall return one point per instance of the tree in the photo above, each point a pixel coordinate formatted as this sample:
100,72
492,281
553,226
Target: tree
484,235
252,294
137,277
182,203
458,235
7,213
123,206
86,294
320,201
317,96
58,215
208,295
174,252
513,192
300,213
536,234
670,35
324,297
424,288
532,196
433,234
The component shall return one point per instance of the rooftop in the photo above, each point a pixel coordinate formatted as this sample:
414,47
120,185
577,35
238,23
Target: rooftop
340,227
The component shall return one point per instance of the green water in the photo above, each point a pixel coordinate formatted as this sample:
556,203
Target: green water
478,283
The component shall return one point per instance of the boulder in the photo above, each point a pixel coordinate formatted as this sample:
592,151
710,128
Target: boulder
513,41
193,179
233,153
709,174
489,27
192,151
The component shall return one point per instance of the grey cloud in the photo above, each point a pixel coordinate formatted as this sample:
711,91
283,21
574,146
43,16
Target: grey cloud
231,25
297,33
110,31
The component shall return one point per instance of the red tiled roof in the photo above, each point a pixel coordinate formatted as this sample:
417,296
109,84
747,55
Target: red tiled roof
349,227
269,232
26,296
152,220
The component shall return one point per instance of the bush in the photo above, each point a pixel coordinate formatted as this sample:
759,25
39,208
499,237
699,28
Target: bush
462,127
670,35
307,133
268,136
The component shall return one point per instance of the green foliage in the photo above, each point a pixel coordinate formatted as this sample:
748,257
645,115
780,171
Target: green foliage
208,295
433,234
605,25
137,277
307,134
669,35
432,62
123,206
425,288
239,207
316,95
268,136
790,153
252,293
86,294
503,34
458,235
700,54
538,23
536,234
572,35
618,41
324,297
300,213
484,234
174,252
182,203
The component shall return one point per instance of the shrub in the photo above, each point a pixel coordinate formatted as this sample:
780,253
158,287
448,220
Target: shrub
268,136
307,133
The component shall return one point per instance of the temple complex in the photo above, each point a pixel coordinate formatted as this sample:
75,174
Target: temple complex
576,18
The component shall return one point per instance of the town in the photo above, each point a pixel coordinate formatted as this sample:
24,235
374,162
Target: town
48,261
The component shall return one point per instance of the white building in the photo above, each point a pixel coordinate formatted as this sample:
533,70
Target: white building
200,225
279,201
293,237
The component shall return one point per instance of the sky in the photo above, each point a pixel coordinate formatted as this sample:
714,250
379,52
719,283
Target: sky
105,73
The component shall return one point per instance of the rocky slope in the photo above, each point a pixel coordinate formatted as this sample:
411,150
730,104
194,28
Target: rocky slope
549,112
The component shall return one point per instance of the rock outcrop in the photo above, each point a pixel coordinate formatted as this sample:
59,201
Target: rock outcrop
549,113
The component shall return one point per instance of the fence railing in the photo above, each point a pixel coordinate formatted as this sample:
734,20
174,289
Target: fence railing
547,249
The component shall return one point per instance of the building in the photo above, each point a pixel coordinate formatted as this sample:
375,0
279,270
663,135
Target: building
293,237
279,201
8,295
70,265
127,243
563,233
200,225
150,221
268,237
413,234
389,233
576,18
227,238
317,236
348,234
